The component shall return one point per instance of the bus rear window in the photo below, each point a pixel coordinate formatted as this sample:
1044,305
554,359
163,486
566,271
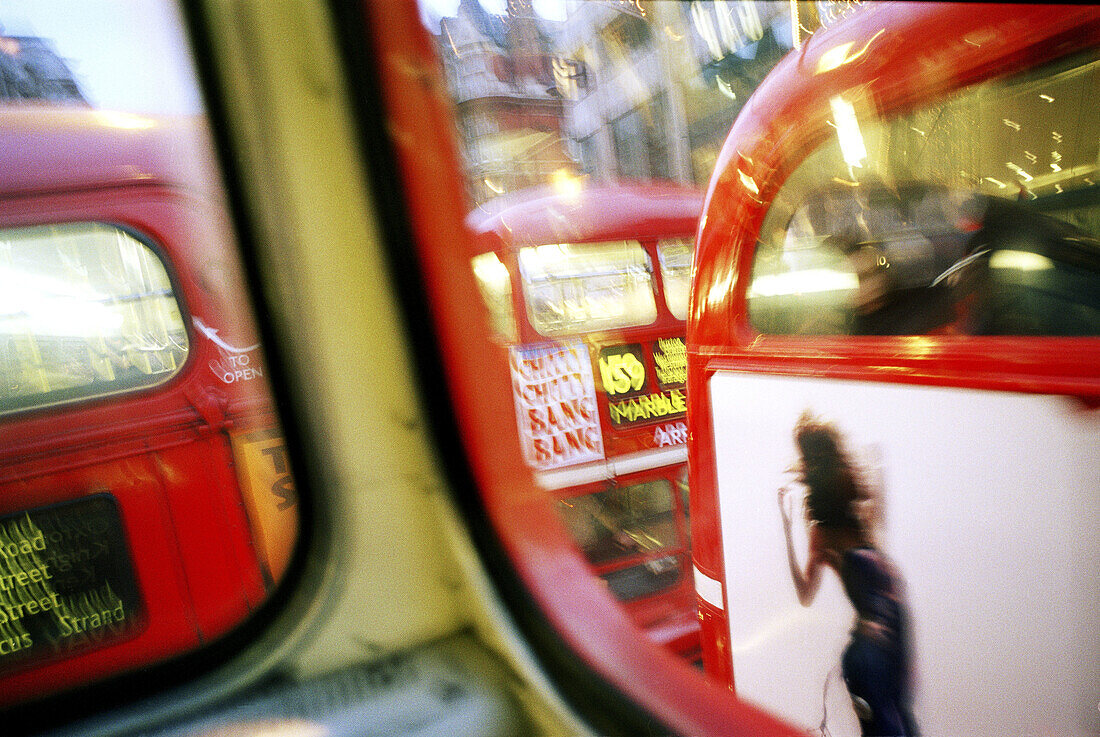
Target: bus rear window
576,288
85,310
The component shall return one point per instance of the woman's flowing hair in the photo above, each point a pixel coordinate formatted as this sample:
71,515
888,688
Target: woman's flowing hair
837,495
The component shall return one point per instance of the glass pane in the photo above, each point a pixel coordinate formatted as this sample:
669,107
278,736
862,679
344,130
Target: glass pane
496,289
622,521
907,226
675,258
593,286
587,131
85,310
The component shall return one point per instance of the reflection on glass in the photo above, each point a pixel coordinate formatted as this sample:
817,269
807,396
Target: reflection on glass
150,506
572,288
496,290
85,310
587,117
675,258
943,232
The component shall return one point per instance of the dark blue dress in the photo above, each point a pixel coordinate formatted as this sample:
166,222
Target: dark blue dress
876,662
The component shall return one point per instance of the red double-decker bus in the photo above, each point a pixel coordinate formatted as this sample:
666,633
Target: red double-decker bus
146,500
893,364
587,291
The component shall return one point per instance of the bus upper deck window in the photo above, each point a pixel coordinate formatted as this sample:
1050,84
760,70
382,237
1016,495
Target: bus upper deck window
85,310
572,288
496,290
675,258
916,231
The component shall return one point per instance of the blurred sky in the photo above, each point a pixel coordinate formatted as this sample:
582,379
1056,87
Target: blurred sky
131,55
126,55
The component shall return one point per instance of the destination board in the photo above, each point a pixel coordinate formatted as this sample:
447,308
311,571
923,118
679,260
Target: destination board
66,580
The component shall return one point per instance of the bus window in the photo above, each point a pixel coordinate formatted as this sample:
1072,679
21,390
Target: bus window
89,311
921,235
572,288
675,257
632,519
632,536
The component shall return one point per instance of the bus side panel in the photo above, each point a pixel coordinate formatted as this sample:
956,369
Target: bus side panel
714,638
706,542
984,504
222,569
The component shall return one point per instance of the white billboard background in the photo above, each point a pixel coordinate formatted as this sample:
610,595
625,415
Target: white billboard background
991,504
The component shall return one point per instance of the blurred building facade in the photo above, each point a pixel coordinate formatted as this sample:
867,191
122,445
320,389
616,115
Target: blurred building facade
501,73
629,90
31,69
668,81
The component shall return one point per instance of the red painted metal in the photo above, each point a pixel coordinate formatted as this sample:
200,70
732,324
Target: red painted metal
912,54
638,210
